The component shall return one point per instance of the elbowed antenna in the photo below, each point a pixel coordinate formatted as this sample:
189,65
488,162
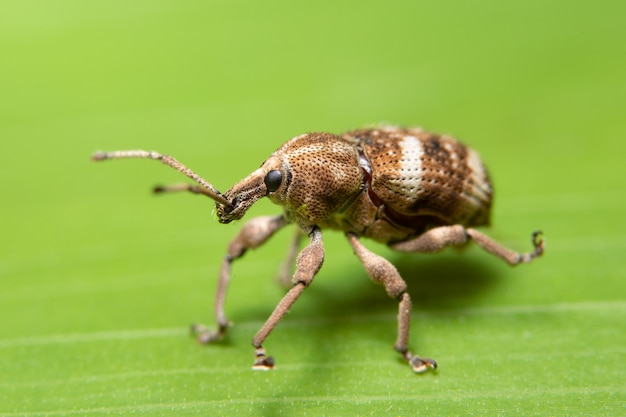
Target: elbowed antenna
170,161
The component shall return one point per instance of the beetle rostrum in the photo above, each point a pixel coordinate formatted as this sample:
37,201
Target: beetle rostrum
410,189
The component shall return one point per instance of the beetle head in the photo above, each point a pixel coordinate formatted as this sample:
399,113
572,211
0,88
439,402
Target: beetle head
312,176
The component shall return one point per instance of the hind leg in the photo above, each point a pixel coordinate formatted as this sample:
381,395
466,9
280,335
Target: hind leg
438,238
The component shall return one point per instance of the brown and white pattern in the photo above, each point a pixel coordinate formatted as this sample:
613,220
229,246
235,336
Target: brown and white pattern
416,173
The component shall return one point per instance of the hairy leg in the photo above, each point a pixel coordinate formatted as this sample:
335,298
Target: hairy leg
285,270
253,234
383,272
308,264
438,238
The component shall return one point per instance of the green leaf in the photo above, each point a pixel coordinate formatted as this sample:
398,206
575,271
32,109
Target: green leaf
99,279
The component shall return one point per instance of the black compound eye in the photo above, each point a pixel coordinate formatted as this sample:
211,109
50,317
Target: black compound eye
273,180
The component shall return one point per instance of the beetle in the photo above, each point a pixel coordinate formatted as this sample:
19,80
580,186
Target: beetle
413,190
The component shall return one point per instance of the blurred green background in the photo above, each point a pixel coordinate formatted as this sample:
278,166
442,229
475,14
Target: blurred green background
99,279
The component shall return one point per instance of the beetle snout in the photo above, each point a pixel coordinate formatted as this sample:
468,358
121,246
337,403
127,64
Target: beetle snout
240,197
224,212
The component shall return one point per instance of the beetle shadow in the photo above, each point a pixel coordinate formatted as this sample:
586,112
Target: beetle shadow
434,282
438,282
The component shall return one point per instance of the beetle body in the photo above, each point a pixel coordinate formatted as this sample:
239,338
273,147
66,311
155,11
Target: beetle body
413,190
387,184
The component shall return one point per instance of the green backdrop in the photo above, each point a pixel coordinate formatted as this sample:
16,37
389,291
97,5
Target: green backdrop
99,279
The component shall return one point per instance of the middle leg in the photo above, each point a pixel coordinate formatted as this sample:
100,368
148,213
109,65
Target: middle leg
285,271
382,271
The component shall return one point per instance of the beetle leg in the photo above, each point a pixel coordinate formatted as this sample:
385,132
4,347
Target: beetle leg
383,272
308,264
253,234
512,257
438,238
285,271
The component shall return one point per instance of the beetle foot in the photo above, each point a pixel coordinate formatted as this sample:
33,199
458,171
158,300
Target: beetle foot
420,365
204,335
263,362
538,245
537,239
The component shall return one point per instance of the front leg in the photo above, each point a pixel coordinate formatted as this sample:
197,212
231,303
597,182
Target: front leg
383,272
253,234
308,264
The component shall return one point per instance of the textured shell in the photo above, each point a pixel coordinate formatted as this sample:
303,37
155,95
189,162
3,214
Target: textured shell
416,173
322,173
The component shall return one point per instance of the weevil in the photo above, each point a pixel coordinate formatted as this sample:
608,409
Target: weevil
407,188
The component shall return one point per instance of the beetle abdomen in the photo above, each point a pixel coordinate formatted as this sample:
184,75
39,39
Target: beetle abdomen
416,173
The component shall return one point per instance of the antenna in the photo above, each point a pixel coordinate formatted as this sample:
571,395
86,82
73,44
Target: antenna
207,188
